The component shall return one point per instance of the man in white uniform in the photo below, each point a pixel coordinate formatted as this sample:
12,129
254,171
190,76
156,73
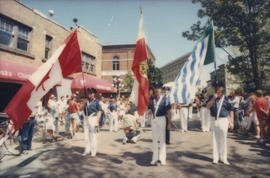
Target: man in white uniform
160,108
220,109
91,123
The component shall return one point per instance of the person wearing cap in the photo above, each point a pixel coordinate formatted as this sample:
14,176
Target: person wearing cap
204,112
158,104
92,113
221,111
167,131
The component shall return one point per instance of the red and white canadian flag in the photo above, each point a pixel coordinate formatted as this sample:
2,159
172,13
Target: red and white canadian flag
65,61
140,92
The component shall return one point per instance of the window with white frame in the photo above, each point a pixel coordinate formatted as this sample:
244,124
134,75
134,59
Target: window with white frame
88,63
14,34
6,31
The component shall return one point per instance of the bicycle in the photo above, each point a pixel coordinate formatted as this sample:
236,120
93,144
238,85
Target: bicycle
6,129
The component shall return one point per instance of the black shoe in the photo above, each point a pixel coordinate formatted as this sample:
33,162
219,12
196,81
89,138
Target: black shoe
168,143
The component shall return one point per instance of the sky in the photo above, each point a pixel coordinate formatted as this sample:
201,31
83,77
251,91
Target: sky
117,22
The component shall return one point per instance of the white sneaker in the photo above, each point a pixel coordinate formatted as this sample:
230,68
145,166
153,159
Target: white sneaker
226,162
153,162
163,163
85,153
215,162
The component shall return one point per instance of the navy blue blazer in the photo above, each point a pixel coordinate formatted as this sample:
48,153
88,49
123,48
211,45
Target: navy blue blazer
163,106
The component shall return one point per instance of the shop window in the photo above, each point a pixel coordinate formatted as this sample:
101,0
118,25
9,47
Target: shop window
7,92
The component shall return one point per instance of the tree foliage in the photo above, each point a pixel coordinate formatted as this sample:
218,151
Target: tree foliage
244,24
128,81
154,74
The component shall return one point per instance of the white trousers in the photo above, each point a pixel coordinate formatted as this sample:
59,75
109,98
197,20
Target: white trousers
190,114
148,117
90,135
184,118
220,131
205,119
142,120
114,125
158,143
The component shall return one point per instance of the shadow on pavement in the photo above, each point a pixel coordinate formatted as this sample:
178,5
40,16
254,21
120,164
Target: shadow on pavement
142,159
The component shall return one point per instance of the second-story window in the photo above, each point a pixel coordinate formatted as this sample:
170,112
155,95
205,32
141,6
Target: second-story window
6,31
23,37
88,63
14,34
48,46
116,63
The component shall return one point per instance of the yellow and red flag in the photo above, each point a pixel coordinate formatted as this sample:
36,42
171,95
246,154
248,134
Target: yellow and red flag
140,93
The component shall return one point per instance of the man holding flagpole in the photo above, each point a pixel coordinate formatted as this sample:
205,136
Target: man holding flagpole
140,97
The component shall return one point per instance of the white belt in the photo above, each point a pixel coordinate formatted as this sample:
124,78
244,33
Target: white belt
220,117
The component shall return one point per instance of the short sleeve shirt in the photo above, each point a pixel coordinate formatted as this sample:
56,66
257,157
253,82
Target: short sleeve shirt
261,102
225,108
94,107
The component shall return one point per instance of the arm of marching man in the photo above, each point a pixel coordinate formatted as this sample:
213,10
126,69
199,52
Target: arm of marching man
211,101
99,108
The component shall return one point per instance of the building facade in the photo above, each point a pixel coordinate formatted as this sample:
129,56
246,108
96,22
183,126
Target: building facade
231,82
26,43
171,70
117,60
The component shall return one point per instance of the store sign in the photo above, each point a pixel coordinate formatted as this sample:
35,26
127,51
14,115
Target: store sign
14,71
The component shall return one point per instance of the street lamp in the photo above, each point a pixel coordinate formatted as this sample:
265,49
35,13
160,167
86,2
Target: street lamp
117,83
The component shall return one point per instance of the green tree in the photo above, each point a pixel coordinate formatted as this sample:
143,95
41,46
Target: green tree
244,24
154,74
128,81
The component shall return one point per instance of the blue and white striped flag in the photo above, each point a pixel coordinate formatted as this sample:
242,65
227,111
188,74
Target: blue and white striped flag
184,88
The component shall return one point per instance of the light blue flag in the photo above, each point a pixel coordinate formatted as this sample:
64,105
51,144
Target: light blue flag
184,88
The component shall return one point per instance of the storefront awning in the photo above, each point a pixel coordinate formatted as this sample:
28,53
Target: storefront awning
90,81
15,71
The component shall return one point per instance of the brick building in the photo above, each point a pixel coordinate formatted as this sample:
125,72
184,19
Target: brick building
171,69
25,43
117,60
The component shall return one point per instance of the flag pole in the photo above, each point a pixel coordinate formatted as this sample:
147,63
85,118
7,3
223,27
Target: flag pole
213,39
75,20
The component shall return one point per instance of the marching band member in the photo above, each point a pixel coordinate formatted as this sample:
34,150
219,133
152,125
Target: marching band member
160,108
91,123
220,109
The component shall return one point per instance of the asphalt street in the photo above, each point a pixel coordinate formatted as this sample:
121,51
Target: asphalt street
189,155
